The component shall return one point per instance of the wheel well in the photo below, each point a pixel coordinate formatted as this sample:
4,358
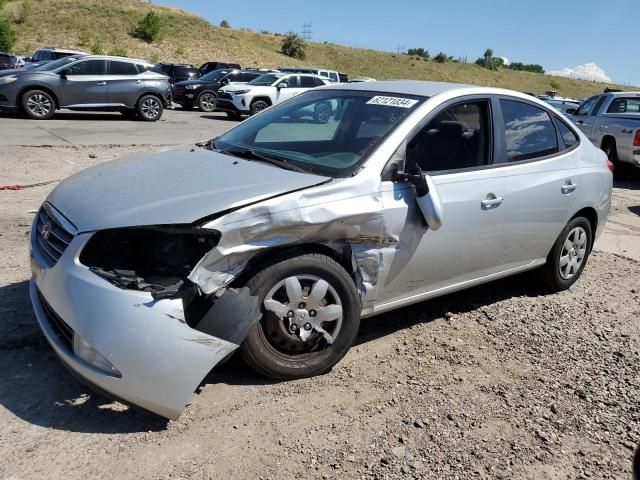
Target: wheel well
33,87
277,254
606,140
590,214
265,99
154,94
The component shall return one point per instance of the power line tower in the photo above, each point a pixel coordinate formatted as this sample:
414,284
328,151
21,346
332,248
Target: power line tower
306,31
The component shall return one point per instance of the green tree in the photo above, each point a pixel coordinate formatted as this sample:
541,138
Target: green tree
225,24
418,52
149,27
441,58
293,45
7,36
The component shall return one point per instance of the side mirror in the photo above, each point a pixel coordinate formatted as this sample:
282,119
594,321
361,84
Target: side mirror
224,81
282,85
427,196
571,111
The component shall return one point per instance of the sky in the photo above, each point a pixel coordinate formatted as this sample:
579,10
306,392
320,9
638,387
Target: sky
584,38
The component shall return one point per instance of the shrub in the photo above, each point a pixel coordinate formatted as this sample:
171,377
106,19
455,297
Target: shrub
441,58
118,52
7,36
555,85
149,28
96,48
154,58
419,52
225,24
293,45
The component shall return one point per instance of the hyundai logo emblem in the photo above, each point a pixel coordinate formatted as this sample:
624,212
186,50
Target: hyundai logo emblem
45,231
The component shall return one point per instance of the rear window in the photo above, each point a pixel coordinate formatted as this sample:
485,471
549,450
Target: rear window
122,68
529,131
625,105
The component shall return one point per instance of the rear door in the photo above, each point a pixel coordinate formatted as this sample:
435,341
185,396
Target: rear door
535,152
454,147
85,85
124,83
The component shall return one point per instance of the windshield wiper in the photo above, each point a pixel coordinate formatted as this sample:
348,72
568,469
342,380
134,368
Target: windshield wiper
249,154
209,144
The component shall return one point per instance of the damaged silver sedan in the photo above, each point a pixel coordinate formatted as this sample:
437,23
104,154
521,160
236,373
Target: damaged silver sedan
277,237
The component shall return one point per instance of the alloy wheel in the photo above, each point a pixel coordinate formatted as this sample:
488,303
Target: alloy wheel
39,105
573,253
151,108
208,102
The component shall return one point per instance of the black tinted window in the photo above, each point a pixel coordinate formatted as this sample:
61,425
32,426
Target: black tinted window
456,138
122,68
42,55
247,77
235,77
625,105
529,131
308,82
5,58
58,55
90,67
568,137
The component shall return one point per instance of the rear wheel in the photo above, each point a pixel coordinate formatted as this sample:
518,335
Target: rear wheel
311,314
569,255
207,102
38,105
149,108
258,106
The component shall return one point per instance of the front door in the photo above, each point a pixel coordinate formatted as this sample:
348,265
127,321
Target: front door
455,149
585,118
292,89
84,85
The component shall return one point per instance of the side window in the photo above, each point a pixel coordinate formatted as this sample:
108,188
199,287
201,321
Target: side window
293,81
587,106
234,77
568,137
458,137
333,76
122,68
307,82
528,130
598,106
624,105
89,67
319,82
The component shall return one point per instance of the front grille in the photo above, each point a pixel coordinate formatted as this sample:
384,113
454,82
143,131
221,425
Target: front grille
177,91
53,233
60,328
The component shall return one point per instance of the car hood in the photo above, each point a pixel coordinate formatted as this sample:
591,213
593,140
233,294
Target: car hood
244,86
172,187
195,82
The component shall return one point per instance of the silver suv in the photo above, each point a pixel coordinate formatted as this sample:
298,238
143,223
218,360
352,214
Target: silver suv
87,82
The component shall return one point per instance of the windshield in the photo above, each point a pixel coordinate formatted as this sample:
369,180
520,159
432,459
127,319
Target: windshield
50,66
265,80
215,75
325,132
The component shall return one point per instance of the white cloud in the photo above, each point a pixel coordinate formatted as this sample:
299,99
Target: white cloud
588,71
506,60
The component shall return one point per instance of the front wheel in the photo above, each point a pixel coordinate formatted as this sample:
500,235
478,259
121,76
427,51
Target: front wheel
149,108
311,314
569,255
38,105
207,102
258,106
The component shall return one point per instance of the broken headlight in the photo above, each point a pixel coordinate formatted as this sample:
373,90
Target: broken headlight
151,259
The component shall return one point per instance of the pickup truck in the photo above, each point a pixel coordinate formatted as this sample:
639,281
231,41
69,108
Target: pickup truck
612,122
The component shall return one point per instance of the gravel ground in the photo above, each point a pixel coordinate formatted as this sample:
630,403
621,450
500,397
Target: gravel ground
501,381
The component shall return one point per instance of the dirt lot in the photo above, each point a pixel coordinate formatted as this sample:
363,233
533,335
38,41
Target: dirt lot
497,382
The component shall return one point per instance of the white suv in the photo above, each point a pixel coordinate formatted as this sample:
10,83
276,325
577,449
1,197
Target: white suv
264,91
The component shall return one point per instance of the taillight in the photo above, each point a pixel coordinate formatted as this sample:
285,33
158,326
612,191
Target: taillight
636,140
610,165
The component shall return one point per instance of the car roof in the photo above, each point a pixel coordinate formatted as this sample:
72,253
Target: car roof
111,57
63,50
625,94
406,87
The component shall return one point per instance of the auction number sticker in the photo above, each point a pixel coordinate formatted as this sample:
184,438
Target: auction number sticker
393,102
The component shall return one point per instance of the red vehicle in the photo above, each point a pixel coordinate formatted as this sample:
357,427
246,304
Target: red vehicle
7,61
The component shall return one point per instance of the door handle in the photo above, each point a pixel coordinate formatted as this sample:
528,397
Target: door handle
568,187
138,81
101,84
580,122
491,202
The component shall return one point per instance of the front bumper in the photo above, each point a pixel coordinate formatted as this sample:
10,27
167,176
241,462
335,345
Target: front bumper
232,103
160,358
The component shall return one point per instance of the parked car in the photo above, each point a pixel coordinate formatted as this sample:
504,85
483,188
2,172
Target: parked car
177,72
331,75
265,91
564,105
202,92
612,122
211,66
278,236
87,82
6,61
48,54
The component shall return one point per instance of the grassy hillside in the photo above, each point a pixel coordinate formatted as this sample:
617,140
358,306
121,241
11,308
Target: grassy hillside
188,38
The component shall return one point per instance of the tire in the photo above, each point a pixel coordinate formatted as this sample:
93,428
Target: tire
272,348
207,102
258,106
38,105
558,277
234,115
149,108
322,112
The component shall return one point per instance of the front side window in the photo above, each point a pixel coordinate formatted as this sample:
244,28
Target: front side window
122,68
51,66
325,132
292,81
458,137
529,131
333,76
587,106
89,67
625,105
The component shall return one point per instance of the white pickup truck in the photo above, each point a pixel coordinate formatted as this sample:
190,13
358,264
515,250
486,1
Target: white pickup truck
612,122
